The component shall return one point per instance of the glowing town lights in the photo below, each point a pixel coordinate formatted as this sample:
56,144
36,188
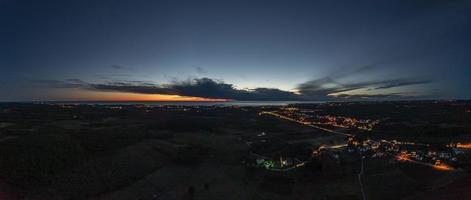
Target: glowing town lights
464,146
439,165
460,145
442,166
403,157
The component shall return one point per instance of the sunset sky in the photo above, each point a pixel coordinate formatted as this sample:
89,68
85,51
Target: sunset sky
238,50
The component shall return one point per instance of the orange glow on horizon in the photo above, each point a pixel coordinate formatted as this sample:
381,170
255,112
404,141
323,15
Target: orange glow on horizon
84,95
153,97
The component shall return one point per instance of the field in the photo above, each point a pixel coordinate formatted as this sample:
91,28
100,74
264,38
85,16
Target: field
177,152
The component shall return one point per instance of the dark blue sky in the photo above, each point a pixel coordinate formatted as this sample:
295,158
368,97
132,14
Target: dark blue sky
246,50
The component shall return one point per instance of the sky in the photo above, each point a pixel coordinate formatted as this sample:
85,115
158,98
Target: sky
123,50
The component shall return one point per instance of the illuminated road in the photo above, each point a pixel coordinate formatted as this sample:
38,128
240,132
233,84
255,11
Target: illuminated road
437,167
339,146
303,123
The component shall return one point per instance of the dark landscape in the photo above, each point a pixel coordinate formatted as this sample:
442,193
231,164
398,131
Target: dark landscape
235,99
382,150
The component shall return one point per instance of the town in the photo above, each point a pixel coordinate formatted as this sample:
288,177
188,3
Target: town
441,156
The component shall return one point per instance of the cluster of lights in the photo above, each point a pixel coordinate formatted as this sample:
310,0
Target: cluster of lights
439,165
347,122
434,158
460,145
337,121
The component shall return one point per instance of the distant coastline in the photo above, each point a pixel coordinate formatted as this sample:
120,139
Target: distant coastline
186,103
217,103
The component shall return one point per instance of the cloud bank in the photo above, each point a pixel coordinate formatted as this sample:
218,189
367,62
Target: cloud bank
326,88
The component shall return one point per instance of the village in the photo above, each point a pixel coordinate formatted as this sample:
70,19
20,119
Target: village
438,156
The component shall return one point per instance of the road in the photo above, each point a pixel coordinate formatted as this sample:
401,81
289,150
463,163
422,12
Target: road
438,167
327,130
304,123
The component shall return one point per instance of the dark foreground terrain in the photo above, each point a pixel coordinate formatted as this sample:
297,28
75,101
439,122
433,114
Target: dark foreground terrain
376,150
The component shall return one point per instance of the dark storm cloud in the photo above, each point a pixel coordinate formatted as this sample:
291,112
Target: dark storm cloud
209,88
132,88
198,87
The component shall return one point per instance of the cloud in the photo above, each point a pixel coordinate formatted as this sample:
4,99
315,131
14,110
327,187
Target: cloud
132,88
321,88
391,96
326,89
341,84
201,70
69,83
403,83
351,71
75,80
197,87
209,88
119,67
